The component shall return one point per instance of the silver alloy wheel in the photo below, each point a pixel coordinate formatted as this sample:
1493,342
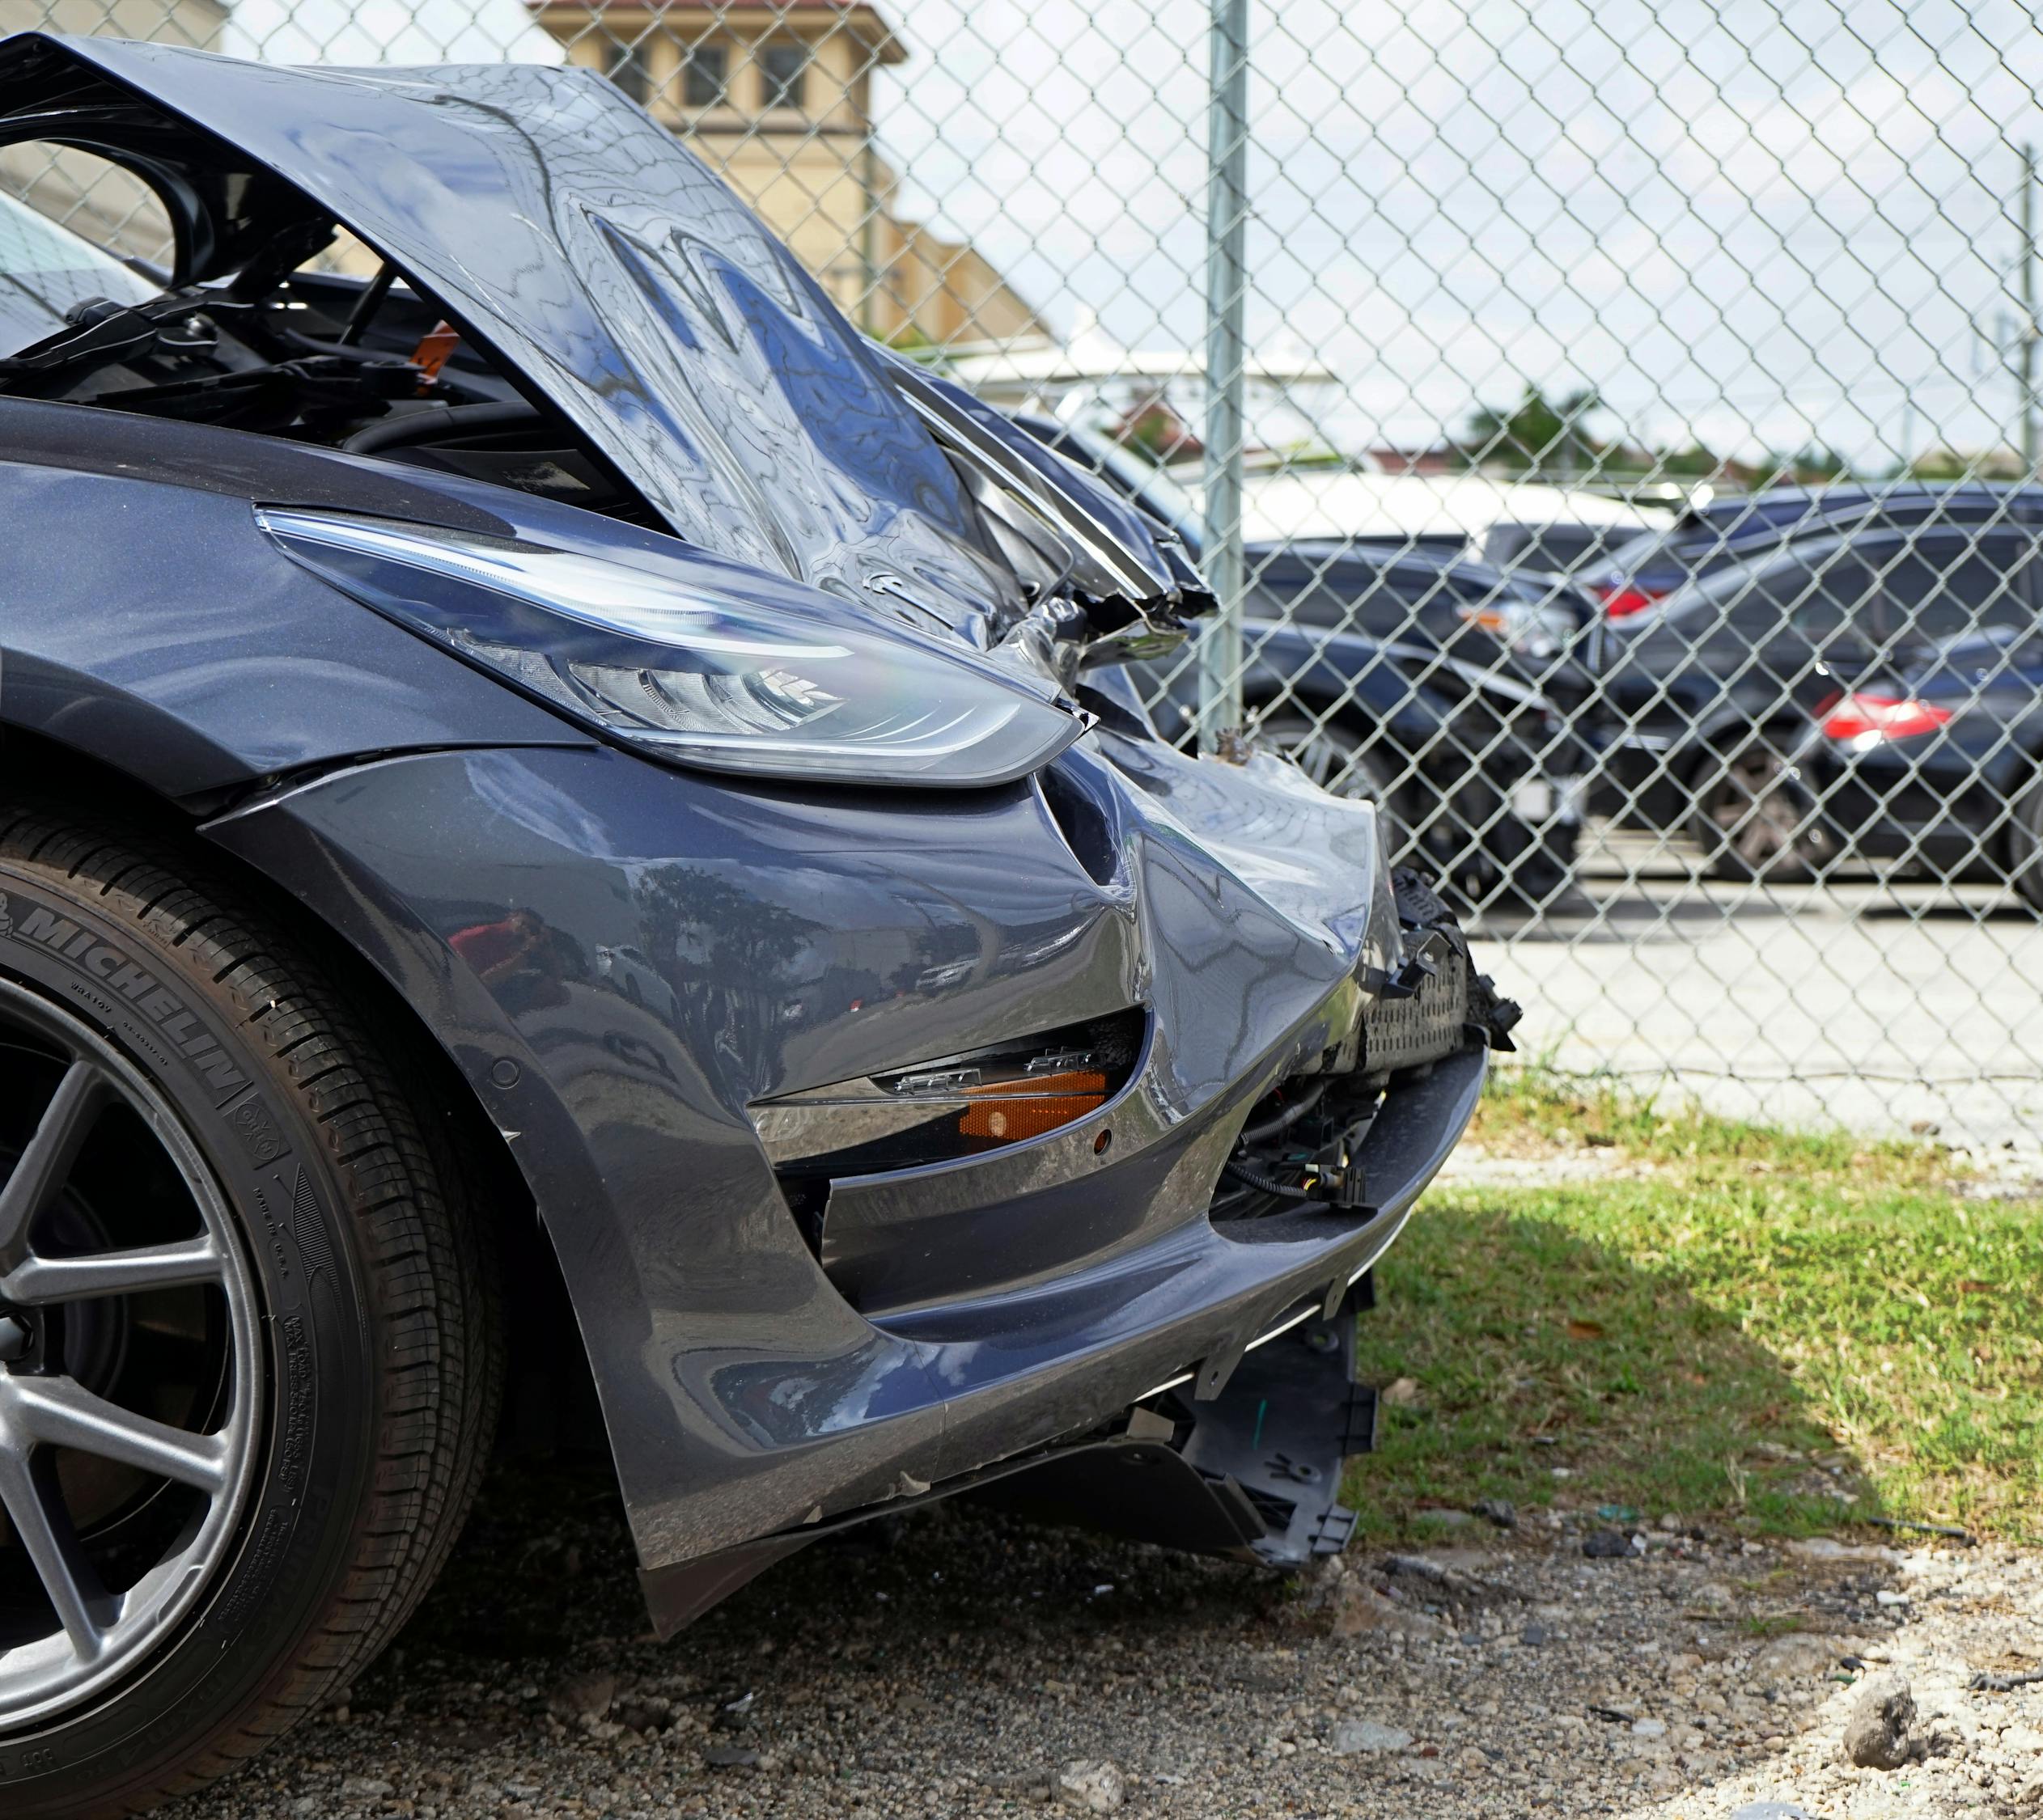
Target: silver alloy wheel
48,1415
1758,820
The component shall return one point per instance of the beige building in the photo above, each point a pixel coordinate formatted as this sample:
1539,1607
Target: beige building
778,98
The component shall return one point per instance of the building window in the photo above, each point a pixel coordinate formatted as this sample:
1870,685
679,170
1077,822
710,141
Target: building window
783,74
631,71
705,73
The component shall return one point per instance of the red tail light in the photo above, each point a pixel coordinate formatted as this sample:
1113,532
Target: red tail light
1621,603
1882,717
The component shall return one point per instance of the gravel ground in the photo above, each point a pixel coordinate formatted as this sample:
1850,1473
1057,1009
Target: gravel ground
958,1662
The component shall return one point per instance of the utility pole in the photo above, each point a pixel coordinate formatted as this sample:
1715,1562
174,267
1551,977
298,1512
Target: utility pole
1227,222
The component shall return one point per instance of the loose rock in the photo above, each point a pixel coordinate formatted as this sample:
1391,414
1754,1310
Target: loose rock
1875,1735
638,1715
1792,1657
1090,1784
730,1756
1351,1736
953,1671
1358,1608
582,1696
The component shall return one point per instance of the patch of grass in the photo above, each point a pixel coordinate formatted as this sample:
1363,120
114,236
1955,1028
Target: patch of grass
1534,1109
1736,1323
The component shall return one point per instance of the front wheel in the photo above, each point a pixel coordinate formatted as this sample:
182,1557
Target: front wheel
1753,819
247,1362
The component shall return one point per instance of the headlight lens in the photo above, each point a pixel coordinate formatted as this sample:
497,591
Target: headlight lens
738,673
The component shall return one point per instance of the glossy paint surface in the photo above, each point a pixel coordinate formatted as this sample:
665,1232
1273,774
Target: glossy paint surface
787,943
155,627
604,262
778,939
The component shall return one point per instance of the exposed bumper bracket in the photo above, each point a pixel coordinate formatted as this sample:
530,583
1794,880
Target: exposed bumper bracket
1254,1472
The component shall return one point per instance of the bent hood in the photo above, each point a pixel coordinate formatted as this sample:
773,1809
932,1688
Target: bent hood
597,259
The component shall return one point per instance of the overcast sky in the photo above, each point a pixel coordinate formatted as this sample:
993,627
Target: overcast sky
1751,222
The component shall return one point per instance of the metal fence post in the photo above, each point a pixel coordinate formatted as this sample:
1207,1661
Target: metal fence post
2030,330
1226,214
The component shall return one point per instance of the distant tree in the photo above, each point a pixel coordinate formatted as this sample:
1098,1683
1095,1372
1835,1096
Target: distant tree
1539,434
1160,434
1810,465
1960,464
1693,463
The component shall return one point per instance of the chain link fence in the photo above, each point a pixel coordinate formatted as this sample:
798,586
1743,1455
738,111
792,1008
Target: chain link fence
1612,428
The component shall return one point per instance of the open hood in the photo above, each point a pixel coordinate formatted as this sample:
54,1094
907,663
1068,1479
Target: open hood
599,263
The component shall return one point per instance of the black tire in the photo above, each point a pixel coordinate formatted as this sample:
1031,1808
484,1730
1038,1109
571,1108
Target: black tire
375,1354
1753,821
1331,756
2025,845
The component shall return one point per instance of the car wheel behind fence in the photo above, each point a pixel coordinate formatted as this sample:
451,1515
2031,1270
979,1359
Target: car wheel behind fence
1333,757
1753,820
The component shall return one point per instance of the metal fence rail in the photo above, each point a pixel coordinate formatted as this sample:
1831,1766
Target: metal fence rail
1612,431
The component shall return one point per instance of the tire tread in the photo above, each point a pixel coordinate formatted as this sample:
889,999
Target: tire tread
429,1275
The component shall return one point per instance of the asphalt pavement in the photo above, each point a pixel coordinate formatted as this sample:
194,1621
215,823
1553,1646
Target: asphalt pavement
1882,1005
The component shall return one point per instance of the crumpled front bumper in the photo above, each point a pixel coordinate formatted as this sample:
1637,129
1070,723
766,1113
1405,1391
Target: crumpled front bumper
779,942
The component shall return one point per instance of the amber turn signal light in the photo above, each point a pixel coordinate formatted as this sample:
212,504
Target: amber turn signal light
1007,1112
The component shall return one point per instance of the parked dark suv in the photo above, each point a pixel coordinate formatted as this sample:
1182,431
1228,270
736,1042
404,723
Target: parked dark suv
1744,527
1872,693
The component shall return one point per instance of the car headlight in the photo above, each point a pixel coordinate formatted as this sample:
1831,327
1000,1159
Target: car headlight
734,672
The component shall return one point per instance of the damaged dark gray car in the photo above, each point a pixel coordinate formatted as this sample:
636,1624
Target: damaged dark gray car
568,822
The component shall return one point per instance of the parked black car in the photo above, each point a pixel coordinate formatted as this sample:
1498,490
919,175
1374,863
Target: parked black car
625,843
1438,687
1739,528
1559,546
1872,693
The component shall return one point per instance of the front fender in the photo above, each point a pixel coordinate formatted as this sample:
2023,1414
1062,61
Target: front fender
801,939
793,936
147,622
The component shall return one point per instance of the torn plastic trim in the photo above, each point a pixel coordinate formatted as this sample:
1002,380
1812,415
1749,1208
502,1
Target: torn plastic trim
1255,1476
1420,1124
